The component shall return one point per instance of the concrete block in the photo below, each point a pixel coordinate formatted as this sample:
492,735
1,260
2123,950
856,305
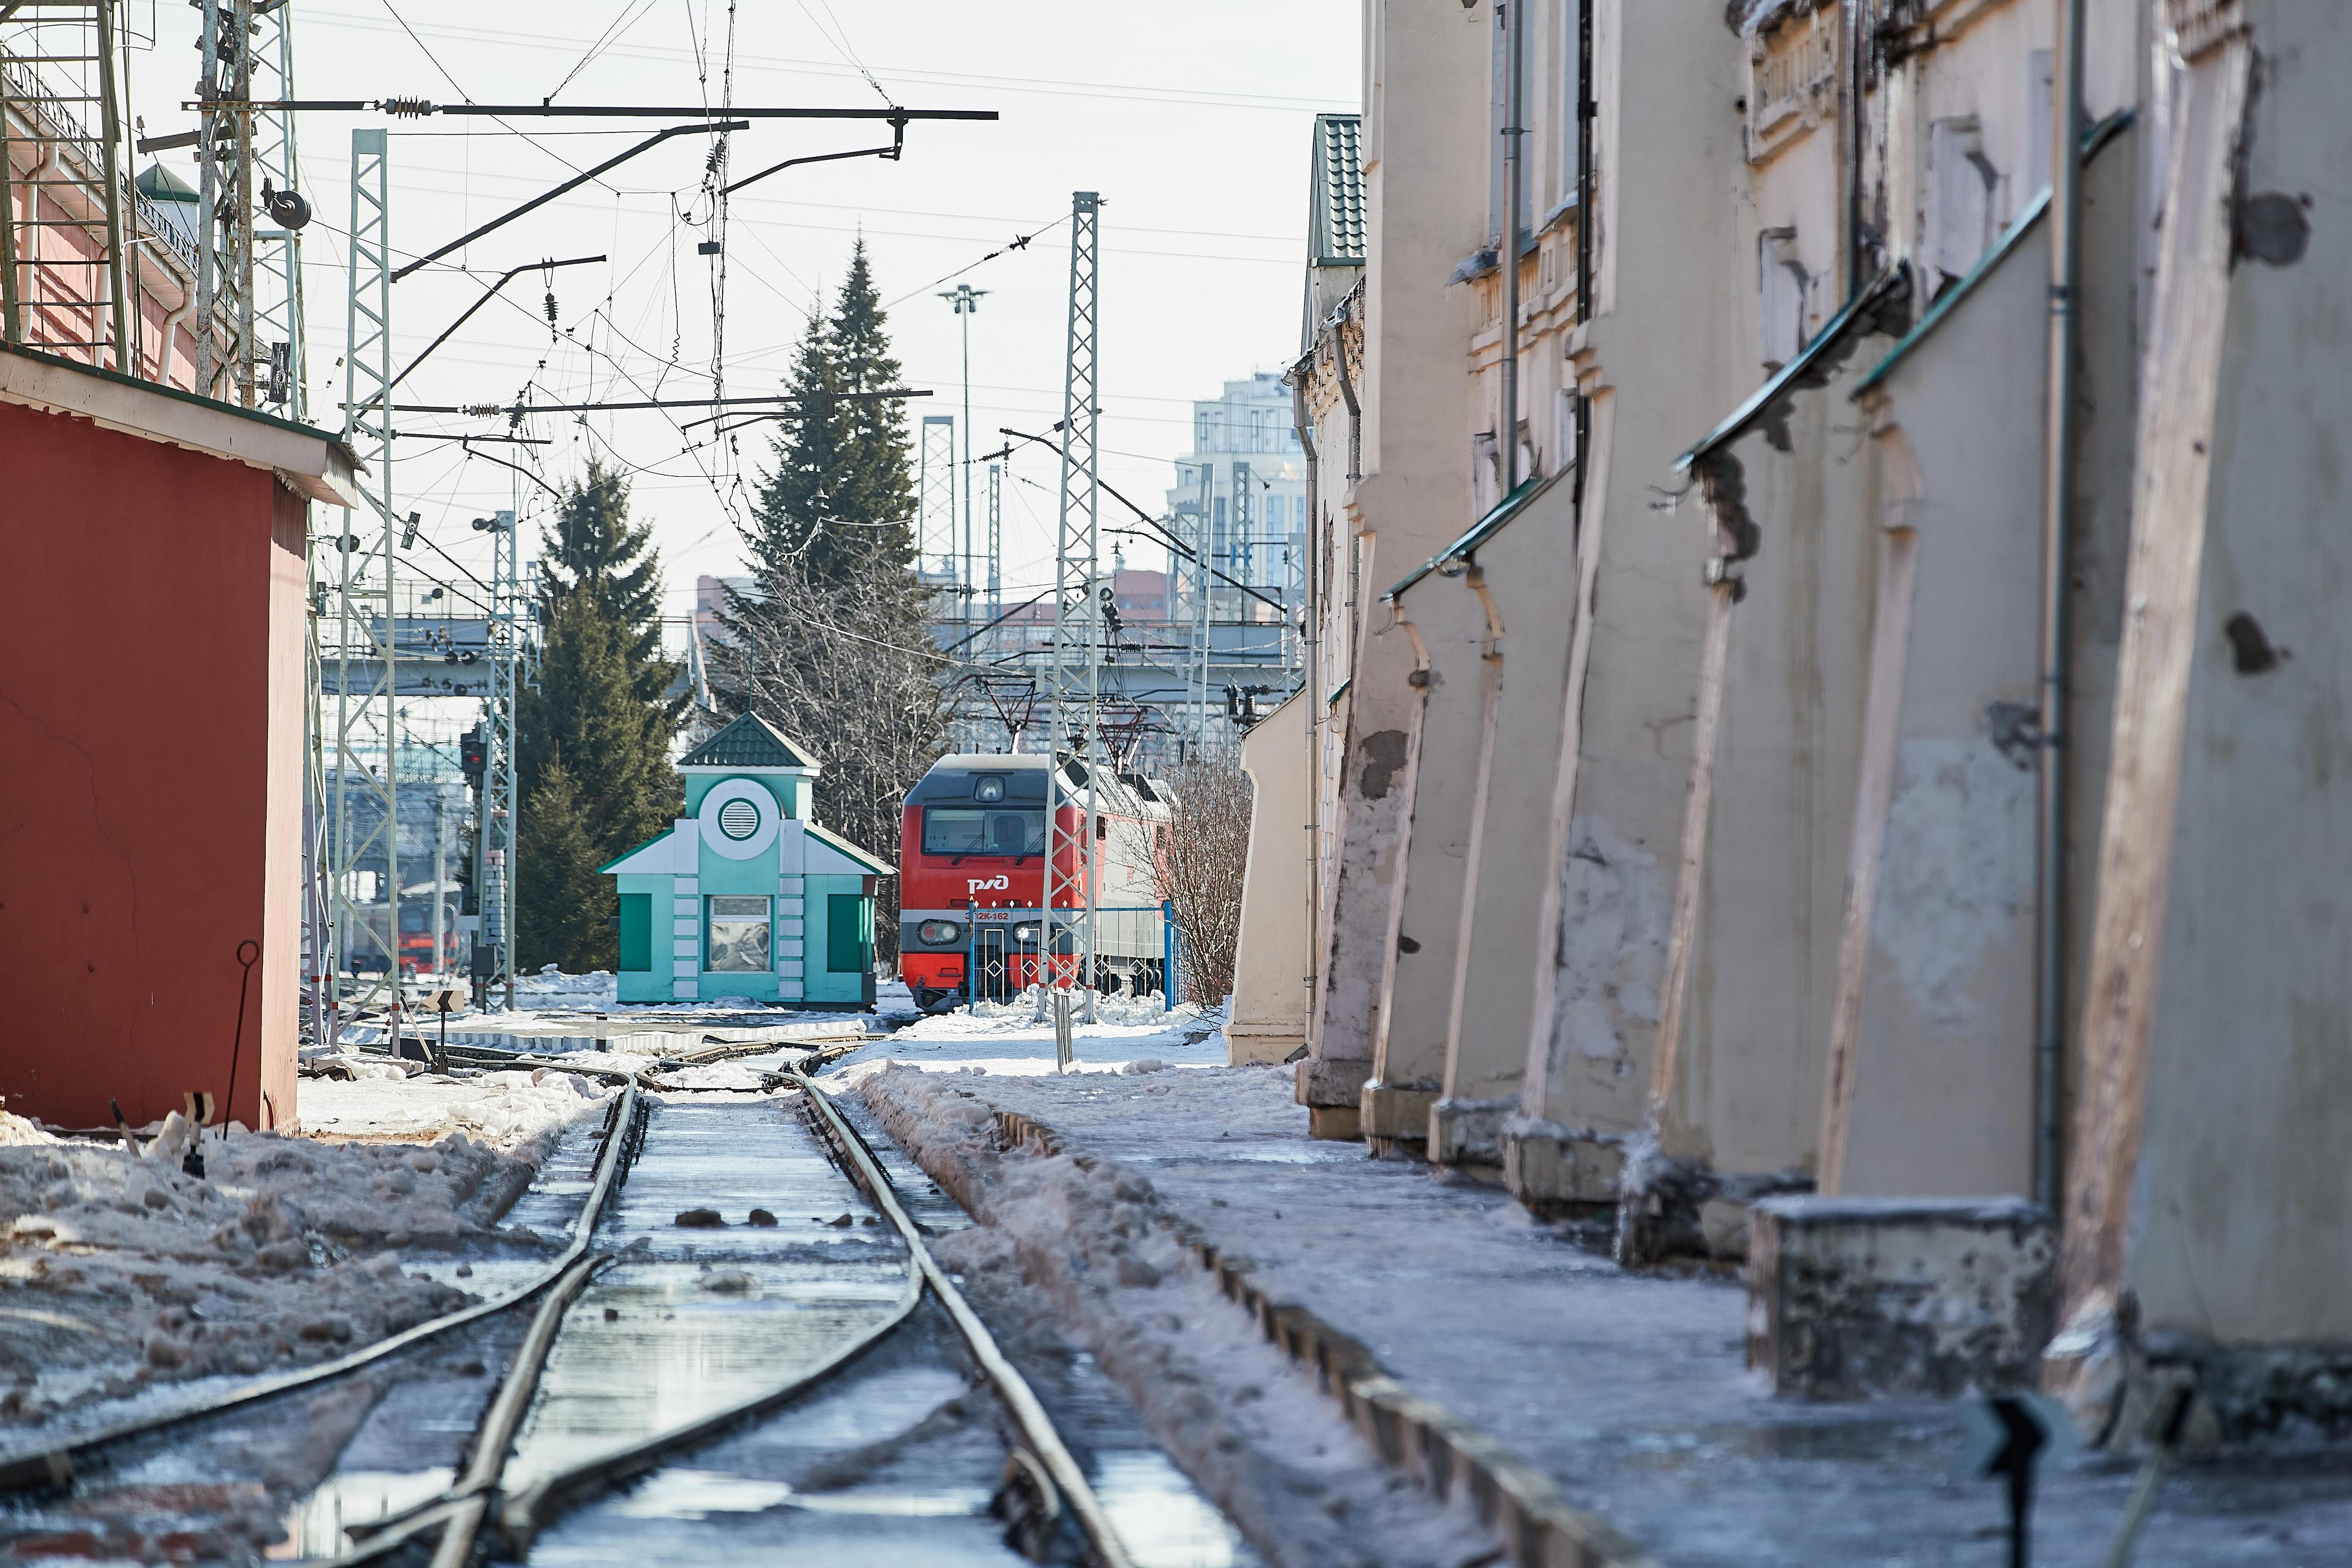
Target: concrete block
685,925
1552,1172
1848,1297
1397,1113
790,947
1272,1042
683,989
792,885
1340,1123
789,908
1468,1134
788,990
686,947
791,929
1331,1084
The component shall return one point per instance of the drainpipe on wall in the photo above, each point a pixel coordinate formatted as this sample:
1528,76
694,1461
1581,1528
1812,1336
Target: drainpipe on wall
1857,79
1511,15
2057,530
1314,650
1347,393
1587,106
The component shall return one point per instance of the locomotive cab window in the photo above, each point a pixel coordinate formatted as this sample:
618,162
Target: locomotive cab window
975,831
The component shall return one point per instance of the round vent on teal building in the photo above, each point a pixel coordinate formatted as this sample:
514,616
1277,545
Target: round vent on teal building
739,818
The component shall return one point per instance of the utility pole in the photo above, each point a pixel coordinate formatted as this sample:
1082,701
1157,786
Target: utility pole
440,876
501,787
965,300
1075,671
225,245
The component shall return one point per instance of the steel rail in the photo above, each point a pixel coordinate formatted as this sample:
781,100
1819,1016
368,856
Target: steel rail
458,1511
527,1512
56,1467
1030,1415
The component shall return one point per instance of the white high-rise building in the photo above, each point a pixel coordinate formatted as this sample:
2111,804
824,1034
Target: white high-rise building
1247,474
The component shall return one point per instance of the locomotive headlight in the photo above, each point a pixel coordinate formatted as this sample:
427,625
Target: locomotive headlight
938,933
1024,933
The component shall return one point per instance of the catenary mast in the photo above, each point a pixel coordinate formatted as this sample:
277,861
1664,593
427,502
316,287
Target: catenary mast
1075,674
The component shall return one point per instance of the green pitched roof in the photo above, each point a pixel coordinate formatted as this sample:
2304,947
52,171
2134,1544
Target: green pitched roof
1336,201
749,742
158,184
866,858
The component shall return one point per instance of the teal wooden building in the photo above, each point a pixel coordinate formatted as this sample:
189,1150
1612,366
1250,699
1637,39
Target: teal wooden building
745,897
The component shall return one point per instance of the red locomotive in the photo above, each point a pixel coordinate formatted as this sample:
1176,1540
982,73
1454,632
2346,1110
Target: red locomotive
972,878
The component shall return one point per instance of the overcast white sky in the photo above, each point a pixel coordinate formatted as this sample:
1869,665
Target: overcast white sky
1191,119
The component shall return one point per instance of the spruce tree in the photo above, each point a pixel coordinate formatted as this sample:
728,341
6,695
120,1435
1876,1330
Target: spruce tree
563,916
594,548
594,741
841,497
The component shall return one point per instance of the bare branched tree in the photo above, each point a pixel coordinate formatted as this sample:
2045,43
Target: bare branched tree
1203,858
844,667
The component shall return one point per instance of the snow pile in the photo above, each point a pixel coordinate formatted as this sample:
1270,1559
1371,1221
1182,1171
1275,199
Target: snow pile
519,1110
1009,1038
552,987
17,1133
118,1271
1099,1251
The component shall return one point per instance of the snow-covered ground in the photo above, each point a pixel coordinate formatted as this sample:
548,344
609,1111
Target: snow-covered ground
1095,1258
514,1111
1006,1037
1629,1390
552,991
119,1272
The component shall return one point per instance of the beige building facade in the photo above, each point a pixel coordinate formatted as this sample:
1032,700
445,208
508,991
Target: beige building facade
1856,724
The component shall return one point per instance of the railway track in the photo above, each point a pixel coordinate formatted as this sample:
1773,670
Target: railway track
807,1374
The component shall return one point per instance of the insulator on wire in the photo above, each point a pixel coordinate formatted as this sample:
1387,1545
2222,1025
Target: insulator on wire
551,307
407,108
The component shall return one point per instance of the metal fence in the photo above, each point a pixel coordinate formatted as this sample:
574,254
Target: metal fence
1137,953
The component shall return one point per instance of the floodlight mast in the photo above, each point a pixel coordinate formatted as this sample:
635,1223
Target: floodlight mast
1075,674
964,300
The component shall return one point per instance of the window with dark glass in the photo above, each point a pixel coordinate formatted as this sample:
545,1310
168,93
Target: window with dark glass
983,831
738,935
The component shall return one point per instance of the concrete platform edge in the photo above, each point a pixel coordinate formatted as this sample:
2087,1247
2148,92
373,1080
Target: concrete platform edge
1539,1528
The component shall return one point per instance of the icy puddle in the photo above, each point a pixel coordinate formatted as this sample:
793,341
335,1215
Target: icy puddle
692,1319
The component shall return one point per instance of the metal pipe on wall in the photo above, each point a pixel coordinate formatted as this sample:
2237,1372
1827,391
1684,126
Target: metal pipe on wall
1511,14
1300,419
2057,538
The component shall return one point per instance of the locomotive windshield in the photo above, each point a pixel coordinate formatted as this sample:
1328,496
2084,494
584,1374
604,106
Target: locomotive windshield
983,831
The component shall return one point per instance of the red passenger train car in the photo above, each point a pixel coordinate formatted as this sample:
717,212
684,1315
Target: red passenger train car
971,877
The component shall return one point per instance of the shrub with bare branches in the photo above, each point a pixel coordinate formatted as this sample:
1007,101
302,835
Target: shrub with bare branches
1199,870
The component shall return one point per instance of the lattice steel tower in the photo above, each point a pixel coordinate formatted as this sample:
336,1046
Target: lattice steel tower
1074,675
364,634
